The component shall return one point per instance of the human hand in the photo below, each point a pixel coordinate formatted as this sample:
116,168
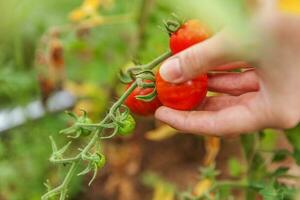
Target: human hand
255,98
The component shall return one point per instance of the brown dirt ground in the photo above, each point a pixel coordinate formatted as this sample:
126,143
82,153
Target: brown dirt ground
176,160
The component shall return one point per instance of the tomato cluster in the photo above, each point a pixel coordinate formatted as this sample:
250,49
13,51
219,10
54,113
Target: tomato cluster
184,96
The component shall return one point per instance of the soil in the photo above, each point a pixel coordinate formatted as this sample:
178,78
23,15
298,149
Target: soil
176,160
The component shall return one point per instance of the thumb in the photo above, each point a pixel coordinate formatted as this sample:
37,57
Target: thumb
198,59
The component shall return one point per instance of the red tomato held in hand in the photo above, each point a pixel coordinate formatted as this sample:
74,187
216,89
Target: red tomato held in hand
190,33
183,96
141,107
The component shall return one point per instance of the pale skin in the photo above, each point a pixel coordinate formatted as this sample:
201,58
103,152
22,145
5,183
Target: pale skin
267,96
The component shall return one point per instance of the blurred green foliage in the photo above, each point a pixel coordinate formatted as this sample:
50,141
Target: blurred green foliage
23,159
24,151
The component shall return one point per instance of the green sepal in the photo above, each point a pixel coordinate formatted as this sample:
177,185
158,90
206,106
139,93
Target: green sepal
85,171
172,25
124,77
148,97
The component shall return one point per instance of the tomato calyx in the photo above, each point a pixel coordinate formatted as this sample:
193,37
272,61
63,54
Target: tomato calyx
96,161
174,24
189,34
124,122
145,78
143,107
100,160
78,128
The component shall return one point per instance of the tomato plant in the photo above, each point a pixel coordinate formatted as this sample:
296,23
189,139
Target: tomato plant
183,96
139,97
144,94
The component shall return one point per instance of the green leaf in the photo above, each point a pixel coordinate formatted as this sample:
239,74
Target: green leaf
209,172
268,139
285,192
248,143
280,155
293,135
258,167
269,192
280,171
234,167
296,155
256,185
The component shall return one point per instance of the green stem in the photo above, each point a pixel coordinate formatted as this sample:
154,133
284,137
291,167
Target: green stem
62,189
122,99
64,160
231,184
90,144
158,60
150,65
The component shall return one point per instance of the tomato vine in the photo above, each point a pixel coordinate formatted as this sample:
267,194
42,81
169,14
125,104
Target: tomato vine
117,113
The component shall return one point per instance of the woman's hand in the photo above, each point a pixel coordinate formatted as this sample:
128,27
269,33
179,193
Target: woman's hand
267,96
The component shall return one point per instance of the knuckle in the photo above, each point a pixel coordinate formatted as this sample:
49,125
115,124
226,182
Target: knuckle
280,114
289,119
191,62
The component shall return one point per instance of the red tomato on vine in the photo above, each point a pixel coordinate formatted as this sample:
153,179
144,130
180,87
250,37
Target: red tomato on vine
141,107
183,96
187,95
189,33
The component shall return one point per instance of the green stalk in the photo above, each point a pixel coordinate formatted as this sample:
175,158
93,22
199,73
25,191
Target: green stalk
62,189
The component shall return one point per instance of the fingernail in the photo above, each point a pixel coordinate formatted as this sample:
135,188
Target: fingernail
171,70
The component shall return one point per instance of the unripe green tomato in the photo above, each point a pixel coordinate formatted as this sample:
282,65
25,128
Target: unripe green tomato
127,126
84,131
102,161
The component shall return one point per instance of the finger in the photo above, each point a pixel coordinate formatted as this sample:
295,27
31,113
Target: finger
231,66
217,103
268,6
234,83
198,59
237,119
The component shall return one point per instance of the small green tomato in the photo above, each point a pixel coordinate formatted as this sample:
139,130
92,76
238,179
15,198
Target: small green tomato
102,160
85,131
127,126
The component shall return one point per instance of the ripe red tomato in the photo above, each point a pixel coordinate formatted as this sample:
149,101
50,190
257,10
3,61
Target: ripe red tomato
141,107
183,96
190,33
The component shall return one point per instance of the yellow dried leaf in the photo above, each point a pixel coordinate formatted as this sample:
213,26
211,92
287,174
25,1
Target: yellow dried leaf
161,192
202,187
161,133
77,15
93,4
289,6
212,147
87,9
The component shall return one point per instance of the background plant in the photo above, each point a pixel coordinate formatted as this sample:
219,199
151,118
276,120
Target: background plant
89,60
